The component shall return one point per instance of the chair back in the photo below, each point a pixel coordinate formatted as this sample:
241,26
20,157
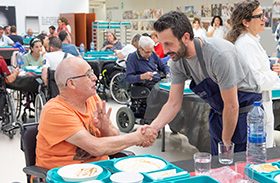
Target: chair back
52,86
29,132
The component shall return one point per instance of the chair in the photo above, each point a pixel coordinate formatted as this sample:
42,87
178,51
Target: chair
28,133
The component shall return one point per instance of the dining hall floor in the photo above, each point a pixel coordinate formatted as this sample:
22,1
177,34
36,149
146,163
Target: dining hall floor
12,158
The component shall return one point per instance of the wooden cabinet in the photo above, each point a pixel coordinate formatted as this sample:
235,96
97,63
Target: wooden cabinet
81,25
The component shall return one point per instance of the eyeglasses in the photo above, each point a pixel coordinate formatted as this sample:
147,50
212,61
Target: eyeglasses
89,74
260,16
146,51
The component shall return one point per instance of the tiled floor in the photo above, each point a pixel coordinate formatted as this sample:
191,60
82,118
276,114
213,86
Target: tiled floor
12,158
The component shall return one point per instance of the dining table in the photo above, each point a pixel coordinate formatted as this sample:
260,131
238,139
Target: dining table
192,119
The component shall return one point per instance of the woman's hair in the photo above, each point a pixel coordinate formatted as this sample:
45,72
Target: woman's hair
63,19
242,11
213,20
196,19
109,32
33,41
154,33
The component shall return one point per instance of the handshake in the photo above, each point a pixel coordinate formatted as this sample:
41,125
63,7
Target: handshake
146,135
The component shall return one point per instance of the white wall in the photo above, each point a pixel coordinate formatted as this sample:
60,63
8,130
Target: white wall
117,7
44,9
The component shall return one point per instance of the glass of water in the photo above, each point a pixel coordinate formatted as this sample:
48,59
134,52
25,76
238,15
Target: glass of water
226,153
202,163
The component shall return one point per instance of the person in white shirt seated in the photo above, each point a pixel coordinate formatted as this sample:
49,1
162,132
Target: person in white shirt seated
198,30
129,48
216,29
5,40
54,57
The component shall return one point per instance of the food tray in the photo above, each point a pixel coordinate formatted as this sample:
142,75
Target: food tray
108,169
196,179
262,176
33,69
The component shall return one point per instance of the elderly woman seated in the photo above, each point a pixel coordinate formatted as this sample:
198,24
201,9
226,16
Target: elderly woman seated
112,43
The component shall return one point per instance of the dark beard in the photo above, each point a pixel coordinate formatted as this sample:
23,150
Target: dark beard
181,53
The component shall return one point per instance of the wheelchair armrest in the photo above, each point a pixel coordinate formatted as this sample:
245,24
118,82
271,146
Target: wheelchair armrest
36,171
122,154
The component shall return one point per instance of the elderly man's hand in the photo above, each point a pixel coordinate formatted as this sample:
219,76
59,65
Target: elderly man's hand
101,116
147,76
149,135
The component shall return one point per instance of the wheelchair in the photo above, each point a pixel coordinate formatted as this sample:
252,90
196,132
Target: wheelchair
7,110
25,90
45,93
119,88
105,72
128,116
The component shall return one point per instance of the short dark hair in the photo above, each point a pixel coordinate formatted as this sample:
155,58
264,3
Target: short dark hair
13,29
52,27
177,21
62,35
55,42
6,26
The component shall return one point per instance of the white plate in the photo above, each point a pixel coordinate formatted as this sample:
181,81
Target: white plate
140,164
79,172
277,178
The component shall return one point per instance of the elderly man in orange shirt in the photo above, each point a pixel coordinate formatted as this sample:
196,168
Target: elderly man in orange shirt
74,127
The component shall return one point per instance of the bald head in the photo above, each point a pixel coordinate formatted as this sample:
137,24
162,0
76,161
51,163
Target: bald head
68,67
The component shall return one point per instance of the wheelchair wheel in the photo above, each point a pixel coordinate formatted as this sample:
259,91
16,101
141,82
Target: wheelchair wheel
40,100
16,95
118,89
125,119
9,117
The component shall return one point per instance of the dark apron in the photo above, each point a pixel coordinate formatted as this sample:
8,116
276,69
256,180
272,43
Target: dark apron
209,91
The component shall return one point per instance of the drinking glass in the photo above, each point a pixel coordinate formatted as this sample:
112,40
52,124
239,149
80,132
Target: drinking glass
226,153
202,163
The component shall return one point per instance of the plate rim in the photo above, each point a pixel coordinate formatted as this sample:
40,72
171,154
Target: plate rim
141,157
99,168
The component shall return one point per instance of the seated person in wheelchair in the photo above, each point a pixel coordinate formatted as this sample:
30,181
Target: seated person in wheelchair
75,126
34,57
4,71
144,66
54,57
129,48
5,77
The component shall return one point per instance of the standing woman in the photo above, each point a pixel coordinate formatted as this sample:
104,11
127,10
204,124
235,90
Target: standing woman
248,21
34,56
63,24
216,29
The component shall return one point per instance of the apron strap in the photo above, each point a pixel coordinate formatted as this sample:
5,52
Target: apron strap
200,56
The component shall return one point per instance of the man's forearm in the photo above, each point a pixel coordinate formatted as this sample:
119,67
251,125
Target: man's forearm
166,115
230,118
